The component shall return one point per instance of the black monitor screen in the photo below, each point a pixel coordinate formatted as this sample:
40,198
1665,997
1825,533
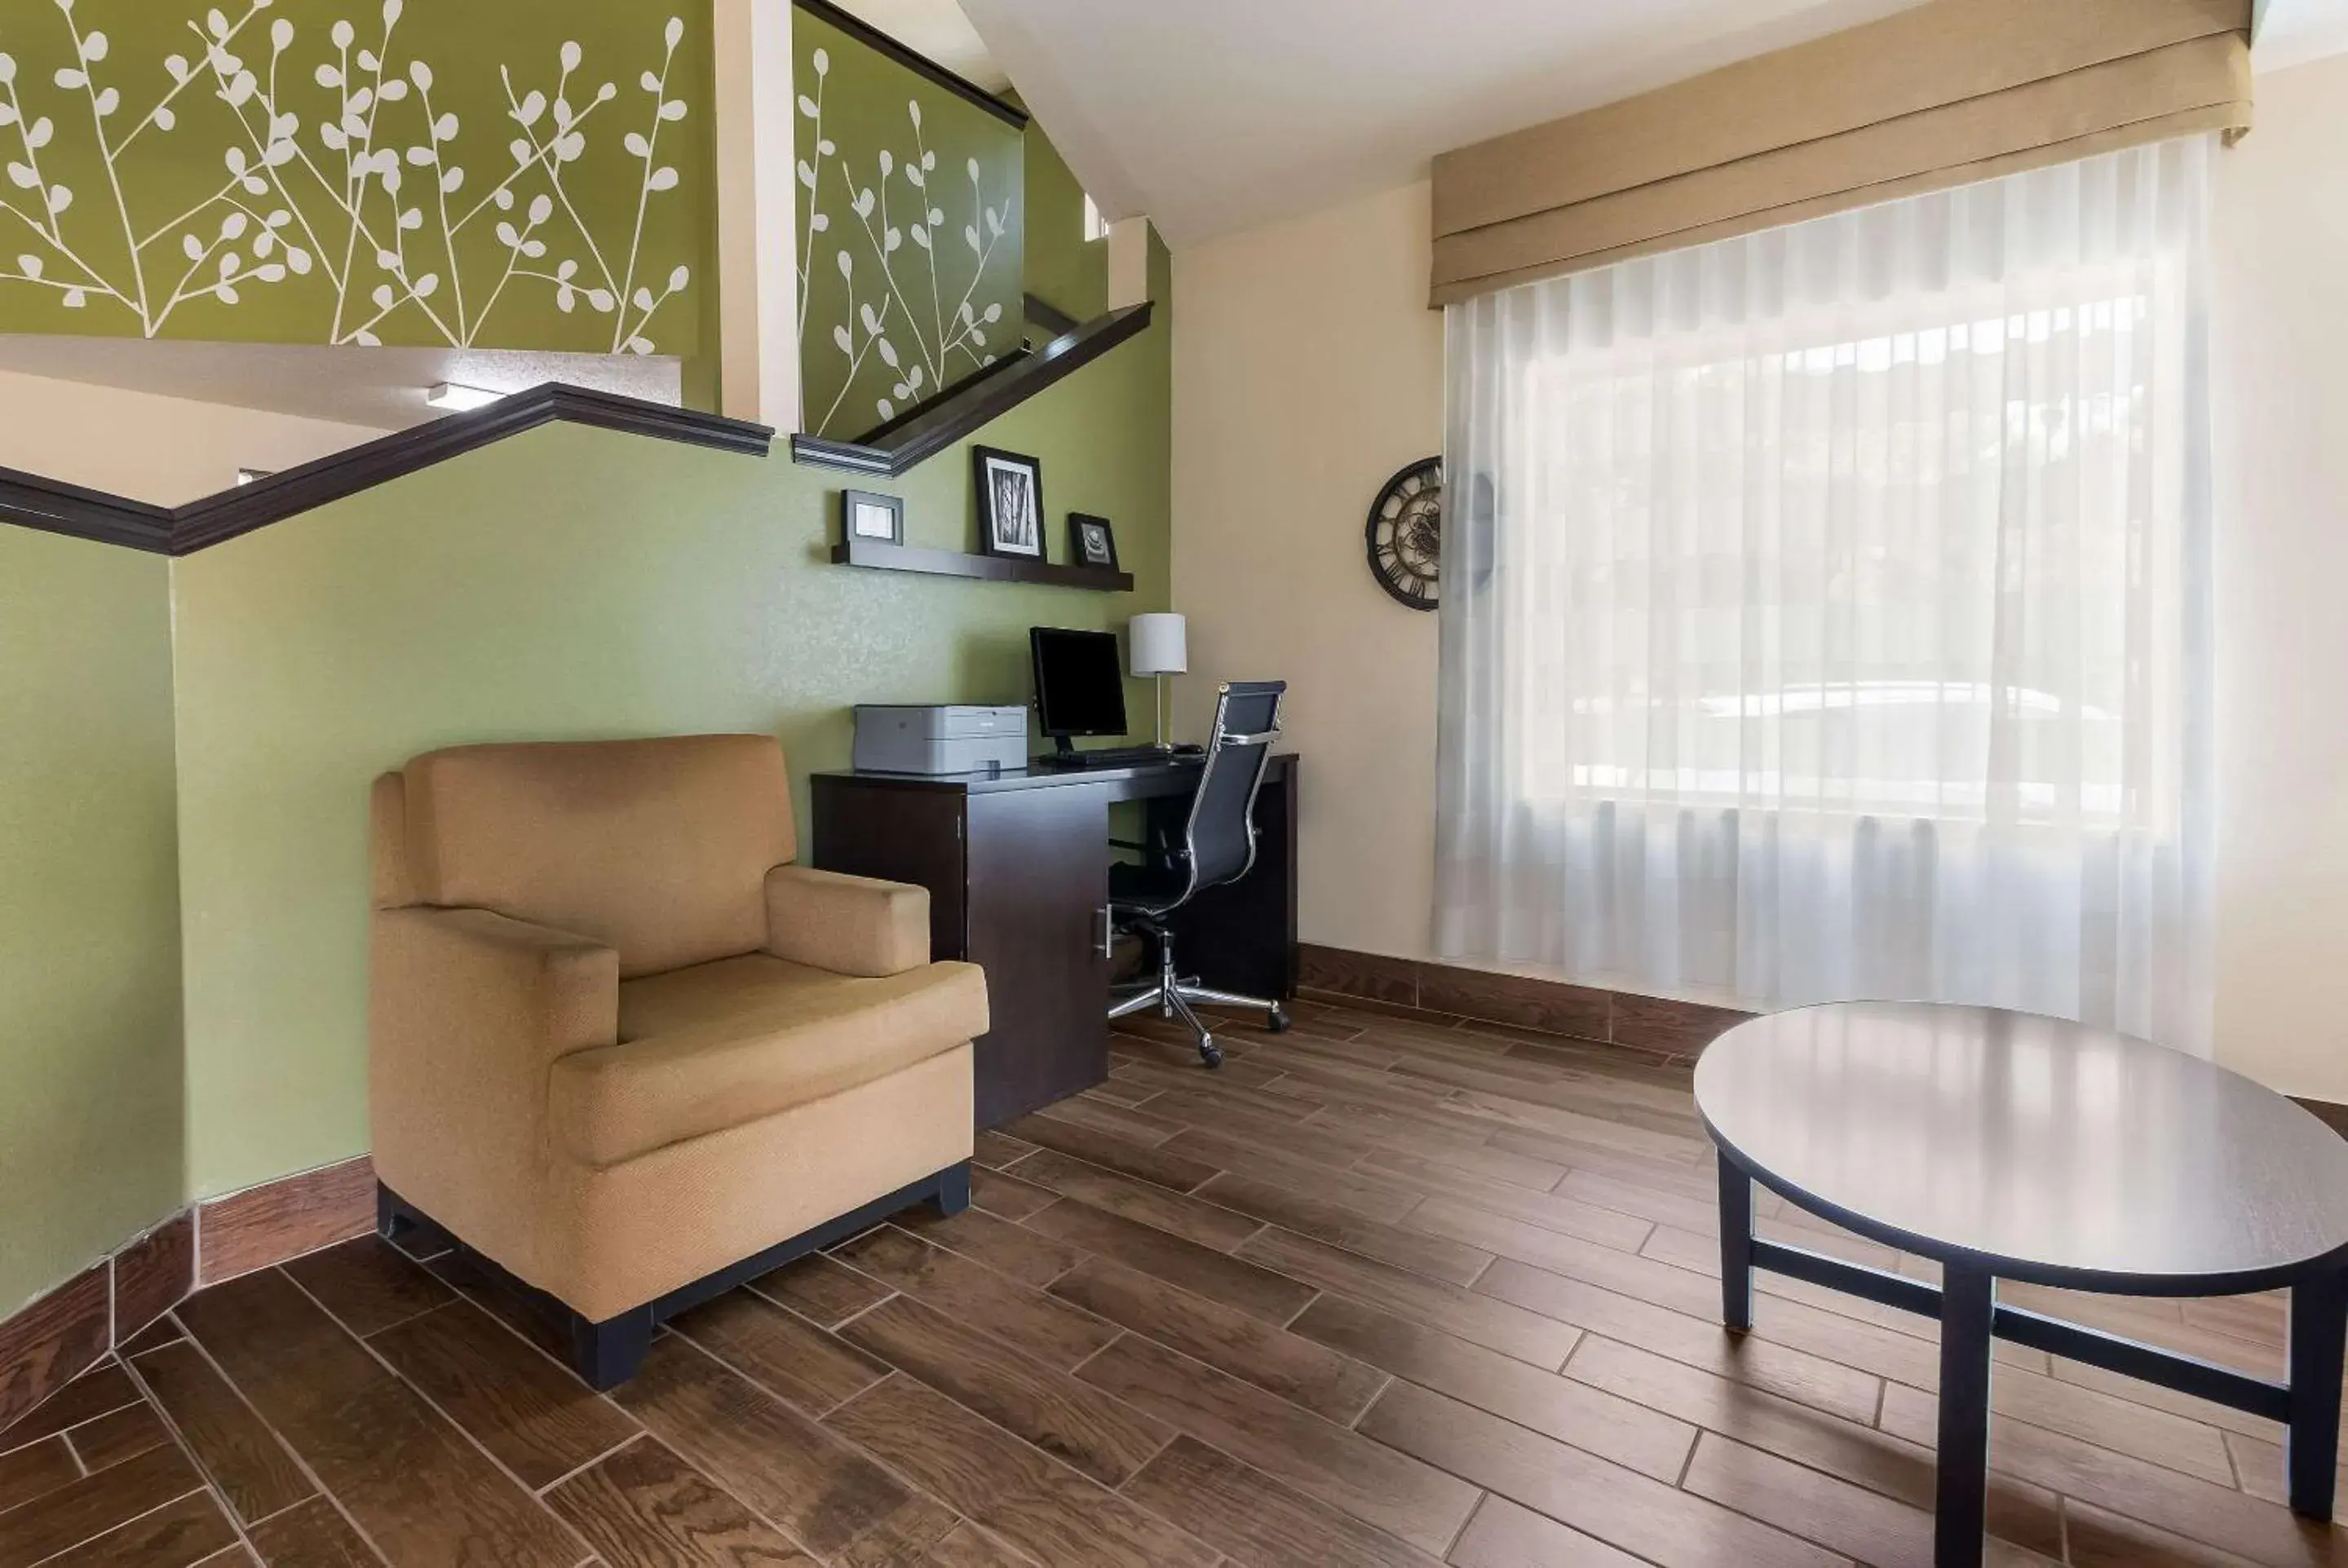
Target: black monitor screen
1079,681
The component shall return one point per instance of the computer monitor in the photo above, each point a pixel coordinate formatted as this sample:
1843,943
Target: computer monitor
1079,683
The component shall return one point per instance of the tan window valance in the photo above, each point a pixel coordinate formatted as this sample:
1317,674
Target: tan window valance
1951,91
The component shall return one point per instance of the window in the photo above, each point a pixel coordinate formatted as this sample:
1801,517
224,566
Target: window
1825,611
1095,227
1847,655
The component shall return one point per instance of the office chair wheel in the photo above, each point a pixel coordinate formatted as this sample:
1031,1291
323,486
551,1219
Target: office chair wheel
1210,1053
1279,1024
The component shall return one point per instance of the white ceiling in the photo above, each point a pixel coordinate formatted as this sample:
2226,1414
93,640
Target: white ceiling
2293,31
1216,115
381,388
1213,116
938,29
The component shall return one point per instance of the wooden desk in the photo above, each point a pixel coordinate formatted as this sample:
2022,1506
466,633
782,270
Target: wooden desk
1017,868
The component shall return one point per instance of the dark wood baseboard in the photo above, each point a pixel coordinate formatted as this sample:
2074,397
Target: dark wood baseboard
266,1226
59,1336
2332,1114
62,1335
1415,986
54,1340
1446,993
153,1275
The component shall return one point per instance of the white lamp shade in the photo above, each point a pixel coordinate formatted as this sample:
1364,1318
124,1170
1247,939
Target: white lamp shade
1160,644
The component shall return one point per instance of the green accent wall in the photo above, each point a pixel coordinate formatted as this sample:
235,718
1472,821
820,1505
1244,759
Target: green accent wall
1064,270
488,173
912,216
569,583
91,1062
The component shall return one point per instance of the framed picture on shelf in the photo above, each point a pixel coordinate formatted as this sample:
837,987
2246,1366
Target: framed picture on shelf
1010,504
866,516
1091,542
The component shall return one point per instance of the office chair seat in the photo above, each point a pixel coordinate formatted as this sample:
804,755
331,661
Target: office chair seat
1151,889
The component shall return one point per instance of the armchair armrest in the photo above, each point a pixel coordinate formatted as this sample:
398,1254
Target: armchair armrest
849,925
467,1011
462,991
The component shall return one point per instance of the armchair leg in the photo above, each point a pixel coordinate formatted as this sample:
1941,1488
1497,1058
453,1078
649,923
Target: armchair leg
953,1190
607,1354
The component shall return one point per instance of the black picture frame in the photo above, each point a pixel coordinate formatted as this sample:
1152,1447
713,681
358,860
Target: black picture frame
1010,522
855,508
1082,527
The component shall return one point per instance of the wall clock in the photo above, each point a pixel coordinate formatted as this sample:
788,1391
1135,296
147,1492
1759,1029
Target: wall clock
1405,533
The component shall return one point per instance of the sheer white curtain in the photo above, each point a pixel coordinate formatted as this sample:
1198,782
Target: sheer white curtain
1826,612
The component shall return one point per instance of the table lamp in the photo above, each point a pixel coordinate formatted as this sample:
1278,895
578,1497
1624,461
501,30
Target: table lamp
1159,645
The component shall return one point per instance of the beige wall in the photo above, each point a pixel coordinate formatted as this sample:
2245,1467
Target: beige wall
2281,339
165,450
1307,368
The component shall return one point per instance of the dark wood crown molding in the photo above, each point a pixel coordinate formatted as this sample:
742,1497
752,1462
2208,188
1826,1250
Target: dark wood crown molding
34,502
928,428
865,32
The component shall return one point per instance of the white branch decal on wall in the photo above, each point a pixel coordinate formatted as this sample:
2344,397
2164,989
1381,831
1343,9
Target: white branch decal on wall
349,195
910,307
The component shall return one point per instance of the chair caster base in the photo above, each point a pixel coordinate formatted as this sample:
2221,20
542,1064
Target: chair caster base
1210,1053
1279,1021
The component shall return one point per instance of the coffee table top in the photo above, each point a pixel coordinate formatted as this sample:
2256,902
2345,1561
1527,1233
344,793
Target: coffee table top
2042,1150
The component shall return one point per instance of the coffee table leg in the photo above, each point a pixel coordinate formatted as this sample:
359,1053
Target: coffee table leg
1967,1296
2319,1332
1735,1246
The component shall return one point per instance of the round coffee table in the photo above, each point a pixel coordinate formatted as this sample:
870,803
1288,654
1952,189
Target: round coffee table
2007,1147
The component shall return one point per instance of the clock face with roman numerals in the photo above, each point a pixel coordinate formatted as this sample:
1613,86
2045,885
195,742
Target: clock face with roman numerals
1405,533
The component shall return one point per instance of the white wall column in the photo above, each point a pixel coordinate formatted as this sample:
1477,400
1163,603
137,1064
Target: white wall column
757,213
1128,263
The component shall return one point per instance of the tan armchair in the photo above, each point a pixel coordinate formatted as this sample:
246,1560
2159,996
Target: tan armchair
622,1049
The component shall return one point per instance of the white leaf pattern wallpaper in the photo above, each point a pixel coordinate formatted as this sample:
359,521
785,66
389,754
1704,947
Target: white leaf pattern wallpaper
420,172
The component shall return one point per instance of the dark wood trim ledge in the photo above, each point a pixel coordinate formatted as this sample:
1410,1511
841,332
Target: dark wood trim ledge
928,428
32,501
921,65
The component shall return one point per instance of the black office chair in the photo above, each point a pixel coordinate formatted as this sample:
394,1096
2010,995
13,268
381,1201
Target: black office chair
1218,845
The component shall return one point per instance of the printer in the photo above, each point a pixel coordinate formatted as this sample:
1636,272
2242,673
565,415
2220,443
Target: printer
943,738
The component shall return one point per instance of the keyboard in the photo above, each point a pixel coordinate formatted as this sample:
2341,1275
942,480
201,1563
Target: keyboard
1111,757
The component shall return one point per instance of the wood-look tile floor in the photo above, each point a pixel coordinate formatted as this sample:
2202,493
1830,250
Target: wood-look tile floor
1378,1292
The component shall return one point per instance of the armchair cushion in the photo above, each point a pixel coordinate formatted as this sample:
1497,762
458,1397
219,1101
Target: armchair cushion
723,1044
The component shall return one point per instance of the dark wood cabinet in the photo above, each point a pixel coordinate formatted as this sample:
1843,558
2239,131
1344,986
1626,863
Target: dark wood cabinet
1017,864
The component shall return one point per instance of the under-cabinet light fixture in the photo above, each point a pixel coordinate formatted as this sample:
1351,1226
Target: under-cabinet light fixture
461,399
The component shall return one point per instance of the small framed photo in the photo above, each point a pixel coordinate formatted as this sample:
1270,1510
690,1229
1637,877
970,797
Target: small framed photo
1091,542
865,516
1010,504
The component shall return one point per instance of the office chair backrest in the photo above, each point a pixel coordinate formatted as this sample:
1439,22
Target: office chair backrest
1221,832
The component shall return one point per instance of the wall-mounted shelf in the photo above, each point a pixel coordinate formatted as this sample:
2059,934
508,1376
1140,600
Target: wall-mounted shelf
882,556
